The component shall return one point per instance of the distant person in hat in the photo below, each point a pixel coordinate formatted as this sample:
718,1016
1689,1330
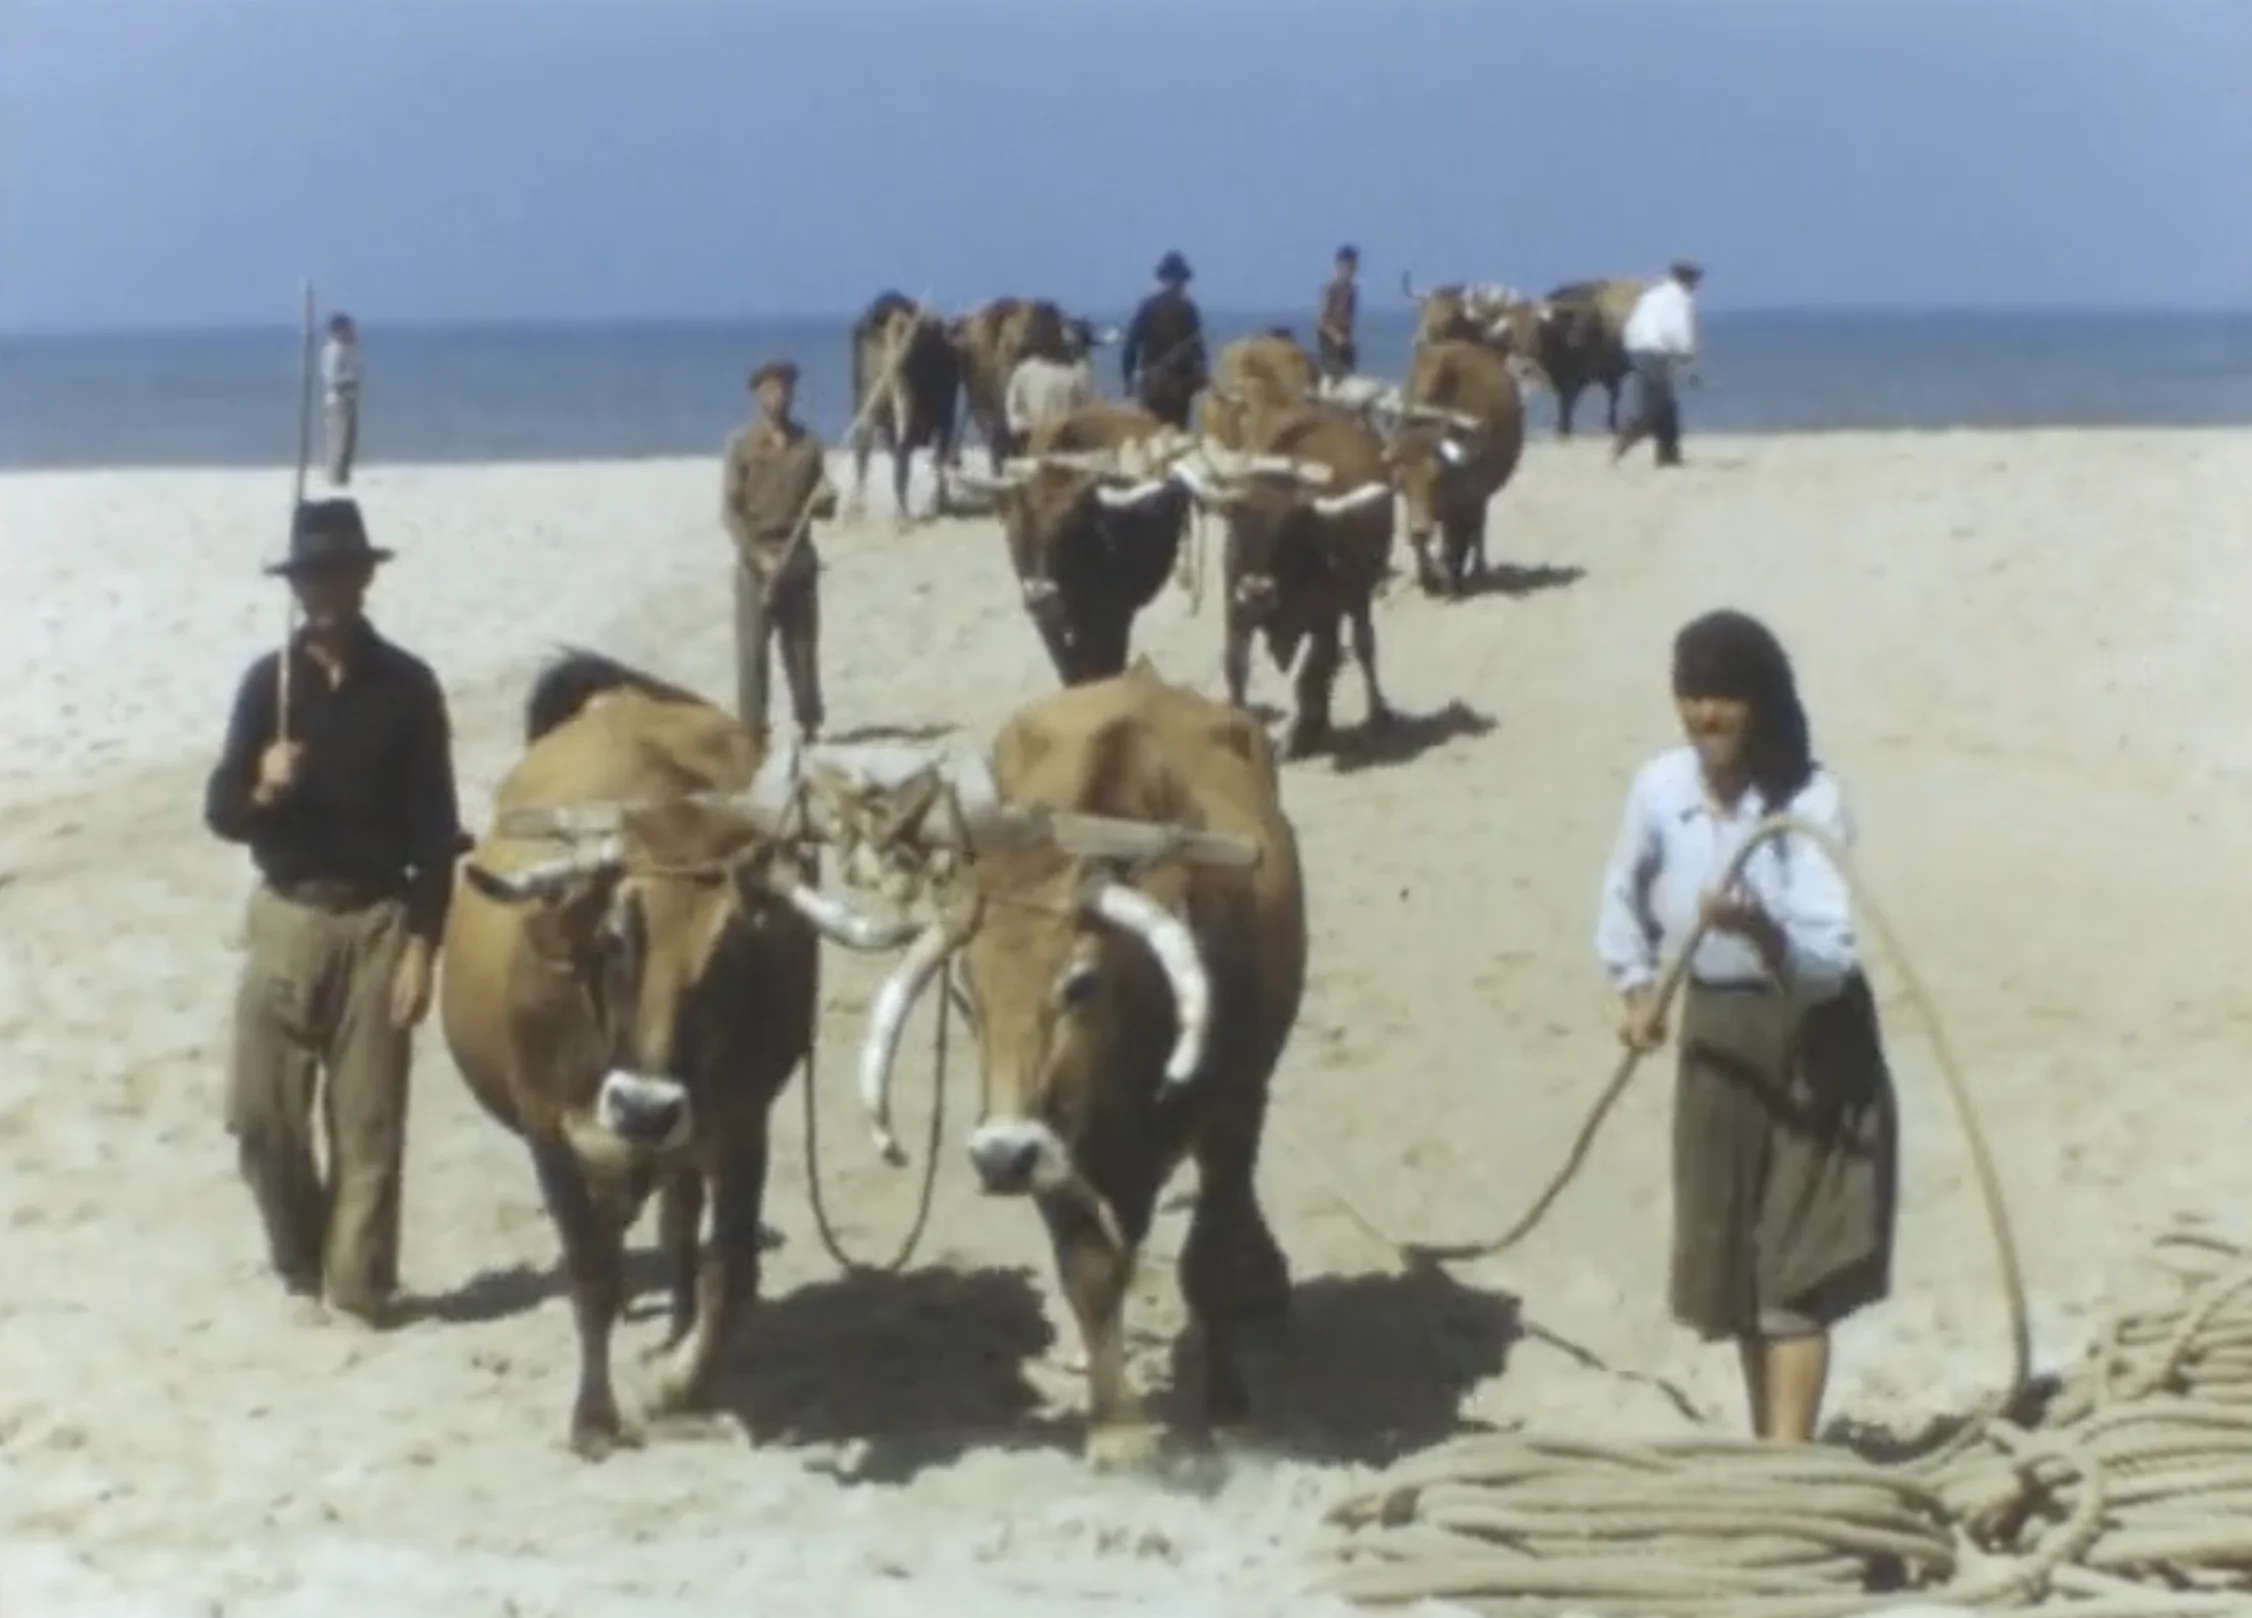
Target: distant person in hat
340,391
1163,356
1661,345
774,485
1340,310
337,774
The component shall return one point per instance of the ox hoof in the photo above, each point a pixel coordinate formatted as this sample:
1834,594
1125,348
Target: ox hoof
597,1437
1125,1446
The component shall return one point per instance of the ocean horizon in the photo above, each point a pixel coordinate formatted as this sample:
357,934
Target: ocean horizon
458,392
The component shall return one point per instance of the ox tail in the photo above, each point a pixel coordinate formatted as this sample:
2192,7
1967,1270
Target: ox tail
576,677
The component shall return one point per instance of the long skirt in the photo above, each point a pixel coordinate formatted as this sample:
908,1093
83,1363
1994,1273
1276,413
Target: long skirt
1785,1162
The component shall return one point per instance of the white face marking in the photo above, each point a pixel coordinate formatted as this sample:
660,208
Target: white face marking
1019,1154
644,1111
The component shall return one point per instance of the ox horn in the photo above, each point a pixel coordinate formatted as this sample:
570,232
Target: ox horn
1407,287
1354,499
982,484
546,878
1126,496
839,922
887,1023
1134,911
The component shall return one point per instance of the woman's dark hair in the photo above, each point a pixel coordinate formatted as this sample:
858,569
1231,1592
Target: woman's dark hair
1732,655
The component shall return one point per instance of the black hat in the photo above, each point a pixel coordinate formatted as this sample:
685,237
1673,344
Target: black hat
1173,267
779,370
1686,269
1350,251
325,534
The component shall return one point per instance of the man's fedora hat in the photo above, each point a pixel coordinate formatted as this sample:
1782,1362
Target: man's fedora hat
327,534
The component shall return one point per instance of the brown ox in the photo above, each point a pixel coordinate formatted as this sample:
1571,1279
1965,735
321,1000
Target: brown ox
1092,535
1309,524
1461,433
1130,1017
632,1006
994,338
1253,374
906,379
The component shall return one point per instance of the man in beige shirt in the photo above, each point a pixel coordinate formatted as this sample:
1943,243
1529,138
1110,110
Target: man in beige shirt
774,484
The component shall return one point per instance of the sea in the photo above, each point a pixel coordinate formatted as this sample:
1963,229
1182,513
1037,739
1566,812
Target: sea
451,394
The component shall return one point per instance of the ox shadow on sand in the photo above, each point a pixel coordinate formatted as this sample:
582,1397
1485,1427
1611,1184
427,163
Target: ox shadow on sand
915,1369
1407,737
1369,1368
1509,579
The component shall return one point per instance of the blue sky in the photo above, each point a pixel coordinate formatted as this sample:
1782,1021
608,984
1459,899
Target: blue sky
168,162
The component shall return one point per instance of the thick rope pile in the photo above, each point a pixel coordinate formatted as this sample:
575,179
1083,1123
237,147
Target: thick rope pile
2129,1495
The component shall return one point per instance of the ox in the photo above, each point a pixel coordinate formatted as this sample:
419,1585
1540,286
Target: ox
906,379
632,1007
1253,375
994,338
1461,434
1583,344
1091,535
1129,1015
1299,562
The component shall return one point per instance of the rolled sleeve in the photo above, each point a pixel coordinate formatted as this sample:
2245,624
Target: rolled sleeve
1820,947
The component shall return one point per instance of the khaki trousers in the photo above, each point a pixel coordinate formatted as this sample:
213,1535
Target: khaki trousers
315,1000
785,609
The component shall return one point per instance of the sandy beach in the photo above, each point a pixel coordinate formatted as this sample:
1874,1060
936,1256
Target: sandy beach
2023,655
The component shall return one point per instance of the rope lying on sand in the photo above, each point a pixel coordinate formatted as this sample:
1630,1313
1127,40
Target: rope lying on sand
2136,1474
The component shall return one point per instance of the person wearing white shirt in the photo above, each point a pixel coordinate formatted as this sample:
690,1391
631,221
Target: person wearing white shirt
340,388
1785,1129
1661,345
1048,384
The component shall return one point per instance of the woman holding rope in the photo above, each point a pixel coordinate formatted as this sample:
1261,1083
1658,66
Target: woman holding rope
1785,1130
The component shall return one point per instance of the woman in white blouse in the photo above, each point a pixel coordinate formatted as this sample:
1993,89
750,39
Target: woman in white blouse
1785,1133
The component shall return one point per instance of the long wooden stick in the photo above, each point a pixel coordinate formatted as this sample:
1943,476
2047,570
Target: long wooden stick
307,360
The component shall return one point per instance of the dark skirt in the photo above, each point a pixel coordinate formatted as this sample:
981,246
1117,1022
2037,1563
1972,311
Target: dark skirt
1785,1162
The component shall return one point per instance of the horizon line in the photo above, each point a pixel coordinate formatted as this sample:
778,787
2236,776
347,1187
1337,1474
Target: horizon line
1226,313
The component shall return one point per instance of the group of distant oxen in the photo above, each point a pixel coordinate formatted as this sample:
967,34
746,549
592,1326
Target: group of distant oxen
632,958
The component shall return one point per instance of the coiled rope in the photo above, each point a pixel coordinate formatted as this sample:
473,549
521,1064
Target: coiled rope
2138,1468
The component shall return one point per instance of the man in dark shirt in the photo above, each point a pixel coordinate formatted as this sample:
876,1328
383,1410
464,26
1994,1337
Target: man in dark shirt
1340,307
337,773
1163,354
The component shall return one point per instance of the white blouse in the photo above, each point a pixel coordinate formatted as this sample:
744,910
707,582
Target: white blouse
1673,845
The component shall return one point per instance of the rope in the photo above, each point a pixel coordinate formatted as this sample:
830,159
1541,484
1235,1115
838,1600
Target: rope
2136,1468
926,1193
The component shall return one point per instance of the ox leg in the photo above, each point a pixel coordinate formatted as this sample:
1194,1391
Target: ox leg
1364,653
1567,397
726,1281
1612,387
594,1260
680,1222
1310,727
1232,1270
1235,661
1095,1276
902,466
863,444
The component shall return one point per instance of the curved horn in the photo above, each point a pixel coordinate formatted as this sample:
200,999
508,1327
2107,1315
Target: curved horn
887,1022
1205,487
1134,911
840,922
983,484
1407,287
545,878
1124,497
1367,494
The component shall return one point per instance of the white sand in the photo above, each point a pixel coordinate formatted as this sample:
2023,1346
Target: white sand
2023,653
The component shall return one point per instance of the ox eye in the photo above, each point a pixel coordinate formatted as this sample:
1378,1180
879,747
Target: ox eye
1076,986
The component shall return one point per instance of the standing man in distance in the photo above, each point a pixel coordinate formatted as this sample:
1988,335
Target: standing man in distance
1340,310
774,484
1661,345
1163,358
344,794
340,389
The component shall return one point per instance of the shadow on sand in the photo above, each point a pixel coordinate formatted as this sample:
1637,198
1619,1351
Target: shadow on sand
1407,738
1369,1368
1507,579
921,1368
